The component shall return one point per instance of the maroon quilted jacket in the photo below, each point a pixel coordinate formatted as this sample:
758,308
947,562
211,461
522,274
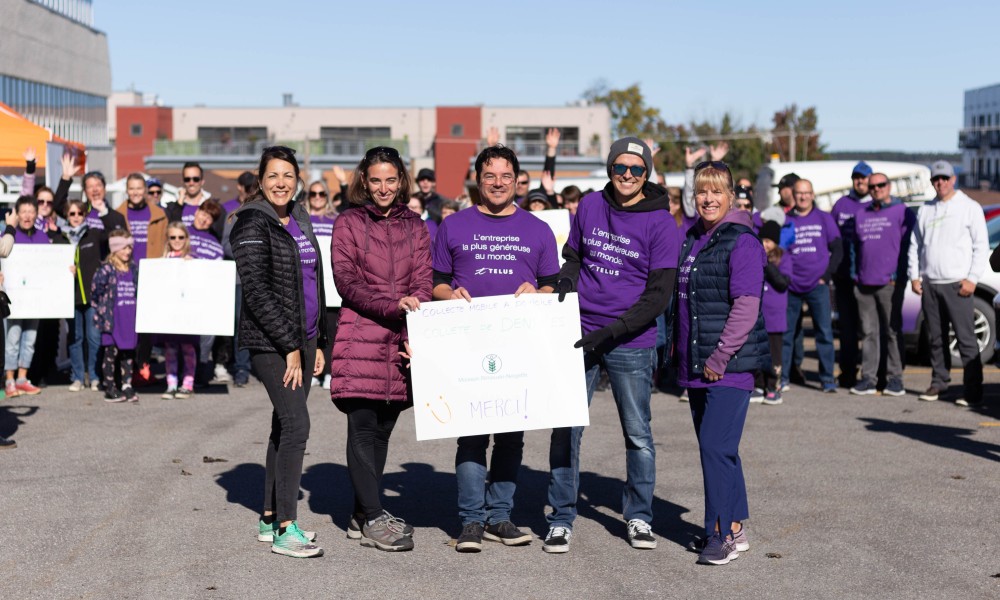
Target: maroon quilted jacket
377,260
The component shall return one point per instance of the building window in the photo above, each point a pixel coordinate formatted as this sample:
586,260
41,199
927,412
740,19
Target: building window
457,130
136,129
353,141
530,141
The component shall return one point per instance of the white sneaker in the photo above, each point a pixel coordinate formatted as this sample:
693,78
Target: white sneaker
95,386
640,535
222,375
76,386
326,382
315,382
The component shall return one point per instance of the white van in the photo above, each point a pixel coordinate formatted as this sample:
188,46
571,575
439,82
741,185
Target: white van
831,179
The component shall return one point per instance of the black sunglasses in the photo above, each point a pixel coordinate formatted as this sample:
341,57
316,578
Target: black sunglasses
715,164
620,170
937,178
192,179
320,194
879,185
155,192
386,150
178,237
74,214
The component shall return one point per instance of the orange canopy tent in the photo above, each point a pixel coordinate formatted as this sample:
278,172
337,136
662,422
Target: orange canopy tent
17,134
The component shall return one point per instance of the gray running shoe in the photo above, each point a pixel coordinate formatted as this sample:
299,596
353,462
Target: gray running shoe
357,519
385,534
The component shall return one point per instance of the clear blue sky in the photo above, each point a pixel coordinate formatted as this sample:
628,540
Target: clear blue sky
883,75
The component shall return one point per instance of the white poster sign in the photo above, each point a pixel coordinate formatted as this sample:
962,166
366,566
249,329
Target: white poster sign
496,364
193,297
333,299
38,279
558,222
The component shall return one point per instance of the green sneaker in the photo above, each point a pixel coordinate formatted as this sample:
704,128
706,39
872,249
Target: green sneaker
265,532
294,543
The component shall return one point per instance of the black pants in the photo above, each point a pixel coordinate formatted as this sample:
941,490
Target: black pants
43,364
769,380
848,323
286,447
369,425
126,358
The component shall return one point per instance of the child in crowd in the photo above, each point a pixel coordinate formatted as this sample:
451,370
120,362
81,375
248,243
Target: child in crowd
777,276
114,294
179,246
21,333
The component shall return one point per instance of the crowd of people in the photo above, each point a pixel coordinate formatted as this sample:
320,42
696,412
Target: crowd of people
689,285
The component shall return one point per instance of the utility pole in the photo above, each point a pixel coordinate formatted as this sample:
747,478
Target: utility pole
791,142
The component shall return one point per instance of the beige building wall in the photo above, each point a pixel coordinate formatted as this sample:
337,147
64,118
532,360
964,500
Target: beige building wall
417,125
592,121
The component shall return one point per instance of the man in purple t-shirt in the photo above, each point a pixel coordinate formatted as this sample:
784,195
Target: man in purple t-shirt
492,249
817,252
881,228
843,280
621,258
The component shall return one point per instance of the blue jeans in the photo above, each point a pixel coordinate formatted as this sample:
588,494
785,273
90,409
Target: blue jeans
818,300
630,371
479,501
19,347
241,356
83,321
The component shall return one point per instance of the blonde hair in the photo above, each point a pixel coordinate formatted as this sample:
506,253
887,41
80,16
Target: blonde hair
112,258
186,250
328,211
718,180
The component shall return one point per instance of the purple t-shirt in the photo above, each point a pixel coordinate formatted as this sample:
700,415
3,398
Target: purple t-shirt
813,234
187,214
94,219
432,228
309,259
138,223
774,304
322,225
37,236
746,274
204,244
231,205
617,250
124,336
844,211
880,234
493,256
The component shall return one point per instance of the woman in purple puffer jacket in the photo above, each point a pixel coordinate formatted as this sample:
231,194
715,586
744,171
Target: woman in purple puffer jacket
382,268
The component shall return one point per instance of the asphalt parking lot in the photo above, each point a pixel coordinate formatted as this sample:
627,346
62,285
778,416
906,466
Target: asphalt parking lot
851,497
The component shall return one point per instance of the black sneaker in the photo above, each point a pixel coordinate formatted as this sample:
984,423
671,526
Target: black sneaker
6,444
471,539
557,540
640,535
113,396
507,533
130,394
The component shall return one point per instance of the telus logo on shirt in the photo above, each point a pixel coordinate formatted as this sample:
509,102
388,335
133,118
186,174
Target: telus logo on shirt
490,271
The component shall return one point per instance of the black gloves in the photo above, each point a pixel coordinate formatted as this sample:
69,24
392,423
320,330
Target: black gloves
595,339
563,287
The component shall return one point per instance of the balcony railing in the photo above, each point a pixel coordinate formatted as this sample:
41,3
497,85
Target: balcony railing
970,139
254,148
532,148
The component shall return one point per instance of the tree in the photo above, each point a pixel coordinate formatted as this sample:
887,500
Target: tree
788,123
629,113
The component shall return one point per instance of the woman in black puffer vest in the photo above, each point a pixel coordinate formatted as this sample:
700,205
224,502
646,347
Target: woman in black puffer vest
282,324
719,341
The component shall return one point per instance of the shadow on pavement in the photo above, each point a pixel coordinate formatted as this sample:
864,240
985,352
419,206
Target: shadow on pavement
426,497
12,417
955,438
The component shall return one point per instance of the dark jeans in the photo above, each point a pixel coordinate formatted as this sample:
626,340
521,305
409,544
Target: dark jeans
818,300
942,304
369,425
241,356
847,330
479,501
289,430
